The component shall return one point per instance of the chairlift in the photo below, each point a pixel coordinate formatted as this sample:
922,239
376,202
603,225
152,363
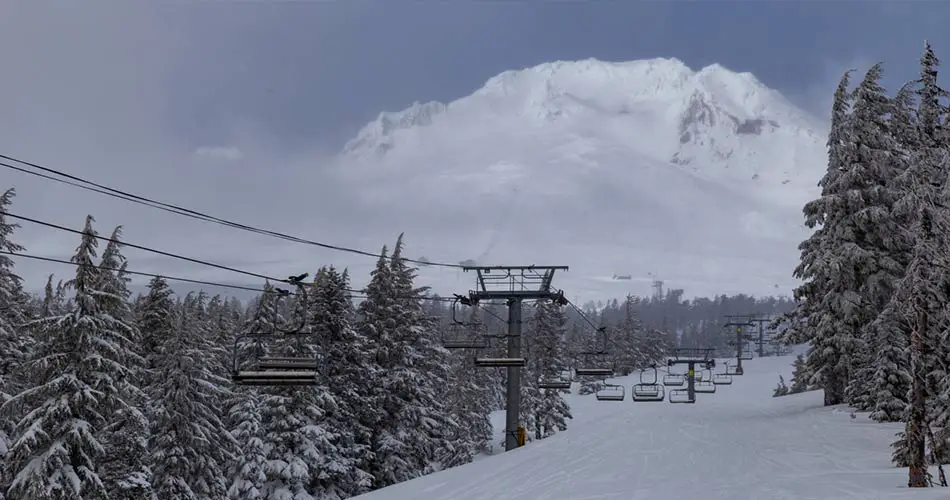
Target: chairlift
648,390
591,368
496,362
267,369
559,384
746,353
724,378
680,396
272,370
705,386
611,392
674,380
459,336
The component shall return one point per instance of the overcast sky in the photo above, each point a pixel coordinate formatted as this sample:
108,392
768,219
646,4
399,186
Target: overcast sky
126,93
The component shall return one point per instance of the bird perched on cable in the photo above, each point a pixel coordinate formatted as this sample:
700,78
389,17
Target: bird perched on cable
295,280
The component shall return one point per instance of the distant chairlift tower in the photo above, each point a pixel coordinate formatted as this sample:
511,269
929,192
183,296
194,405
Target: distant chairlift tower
514,284
738,321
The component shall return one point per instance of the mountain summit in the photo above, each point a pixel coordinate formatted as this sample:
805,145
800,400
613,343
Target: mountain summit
680,158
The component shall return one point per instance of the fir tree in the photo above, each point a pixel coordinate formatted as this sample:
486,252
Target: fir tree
12,343
248,468
190,445
828,300
300,449
781,389
78,368
921,295
345,373
552,411
799,384
125,465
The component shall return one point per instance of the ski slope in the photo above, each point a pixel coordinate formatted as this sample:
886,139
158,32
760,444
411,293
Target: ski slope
739,443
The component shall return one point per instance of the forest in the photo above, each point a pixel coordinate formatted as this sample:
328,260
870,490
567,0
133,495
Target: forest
110,395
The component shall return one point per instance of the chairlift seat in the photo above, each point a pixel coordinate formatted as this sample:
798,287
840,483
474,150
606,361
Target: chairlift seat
297,377
500,362
680,396
722,379
611,392
465,344
286,363
704,387
648,392
554,384
674,380
594,372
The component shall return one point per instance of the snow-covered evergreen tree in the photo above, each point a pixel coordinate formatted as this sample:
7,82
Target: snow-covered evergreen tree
345,375
799,383
79,374
248,476
12,335
190,445
126,473
828,298
300,450
552,411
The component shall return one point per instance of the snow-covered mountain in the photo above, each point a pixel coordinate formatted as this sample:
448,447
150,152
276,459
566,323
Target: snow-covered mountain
612,168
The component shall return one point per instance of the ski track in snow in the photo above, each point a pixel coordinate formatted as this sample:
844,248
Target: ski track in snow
739,443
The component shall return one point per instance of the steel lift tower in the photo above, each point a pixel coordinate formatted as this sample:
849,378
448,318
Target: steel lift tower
738,321
690,357
514,284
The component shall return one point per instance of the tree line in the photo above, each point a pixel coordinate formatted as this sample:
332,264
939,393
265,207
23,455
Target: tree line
110,395
875,299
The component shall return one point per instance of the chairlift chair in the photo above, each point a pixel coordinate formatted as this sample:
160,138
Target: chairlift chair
674,380
646,390
500,362
705,386
746,353
273,370
611,392
463,336
559,384
680,396
600,368
724,378
591,368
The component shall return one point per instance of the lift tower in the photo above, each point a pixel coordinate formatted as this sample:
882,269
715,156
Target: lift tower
514,284
738,321
691,357
760,323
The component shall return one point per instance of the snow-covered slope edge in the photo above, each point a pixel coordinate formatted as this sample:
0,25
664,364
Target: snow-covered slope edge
737,443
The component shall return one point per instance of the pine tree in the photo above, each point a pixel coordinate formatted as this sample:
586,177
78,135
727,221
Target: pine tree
552,411
345,371
300,450
190,445
12,344
781,389
249,466
80,379
828,299
799,382
125,466
922,293
423,363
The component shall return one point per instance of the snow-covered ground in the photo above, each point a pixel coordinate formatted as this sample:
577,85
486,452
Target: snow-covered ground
739,443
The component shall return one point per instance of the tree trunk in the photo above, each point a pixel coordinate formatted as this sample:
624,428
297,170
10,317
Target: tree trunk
915,433
834,388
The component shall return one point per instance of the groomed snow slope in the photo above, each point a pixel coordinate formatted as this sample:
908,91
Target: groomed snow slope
739,443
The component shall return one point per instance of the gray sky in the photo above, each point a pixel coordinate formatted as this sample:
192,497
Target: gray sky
126,92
